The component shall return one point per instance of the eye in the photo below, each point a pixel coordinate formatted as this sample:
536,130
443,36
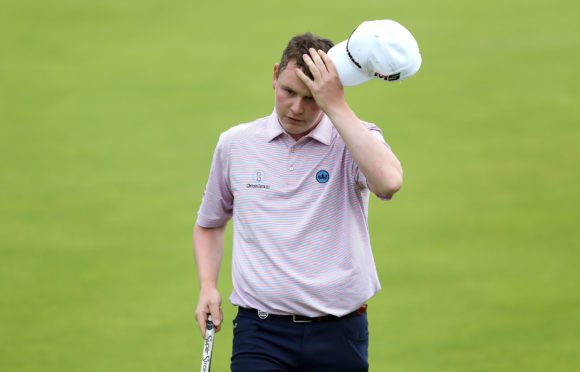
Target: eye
290,92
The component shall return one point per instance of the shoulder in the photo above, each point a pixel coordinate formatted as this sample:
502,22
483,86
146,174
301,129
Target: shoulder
371,126
243,132
375,130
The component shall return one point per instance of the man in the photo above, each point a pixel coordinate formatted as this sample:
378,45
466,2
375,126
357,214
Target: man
297,184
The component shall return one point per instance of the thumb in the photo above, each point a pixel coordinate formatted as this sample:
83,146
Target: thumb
215,315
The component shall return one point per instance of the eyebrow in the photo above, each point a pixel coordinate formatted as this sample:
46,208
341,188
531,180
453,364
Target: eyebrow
285,87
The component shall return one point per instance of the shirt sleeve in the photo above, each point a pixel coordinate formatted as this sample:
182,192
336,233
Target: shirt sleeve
360,177
217,203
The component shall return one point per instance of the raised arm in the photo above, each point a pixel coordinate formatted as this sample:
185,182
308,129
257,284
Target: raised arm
376,161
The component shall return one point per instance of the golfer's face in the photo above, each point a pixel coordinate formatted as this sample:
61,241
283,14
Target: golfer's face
297,110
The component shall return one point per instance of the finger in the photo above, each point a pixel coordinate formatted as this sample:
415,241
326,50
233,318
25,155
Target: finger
201,319
317,60
311,66
305,79
216,314
330,66
218,327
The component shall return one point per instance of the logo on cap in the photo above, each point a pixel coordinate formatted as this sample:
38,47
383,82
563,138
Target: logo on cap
389,77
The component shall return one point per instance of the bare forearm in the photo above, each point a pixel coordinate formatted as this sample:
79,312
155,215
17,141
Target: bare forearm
208,247
376,161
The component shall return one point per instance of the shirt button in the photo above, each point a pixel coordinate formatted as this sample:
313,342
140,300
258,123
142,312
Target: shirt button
291,167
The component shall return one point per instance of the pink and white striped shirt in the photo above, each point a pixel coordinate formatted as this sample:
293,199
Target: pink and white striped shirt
301,242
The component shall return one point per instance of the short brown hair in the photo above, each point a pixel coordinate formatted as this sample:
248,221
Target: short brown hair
298,46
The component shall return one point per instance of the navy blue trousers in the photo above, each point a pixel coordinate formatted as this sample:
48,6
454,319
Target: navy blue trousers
280,345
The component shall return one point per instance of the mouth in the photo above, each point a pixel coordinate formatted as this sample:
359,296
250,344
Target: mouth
294,120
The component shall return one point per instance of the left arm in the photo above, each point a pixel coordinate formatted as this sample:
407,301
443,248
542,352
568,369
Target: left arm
376,161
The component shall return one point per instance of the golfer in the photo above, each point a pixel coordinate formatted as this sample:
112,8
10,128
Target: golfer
297,184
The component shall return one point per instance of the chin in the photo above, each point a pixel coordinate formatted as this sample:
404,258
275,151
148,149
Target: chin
294,129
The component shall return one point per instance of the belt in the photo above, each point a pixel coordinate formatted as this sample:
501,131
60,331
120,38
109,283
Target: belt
301,318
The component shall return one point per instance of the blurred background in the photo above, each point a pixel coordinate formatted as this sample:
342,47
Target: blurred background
109,114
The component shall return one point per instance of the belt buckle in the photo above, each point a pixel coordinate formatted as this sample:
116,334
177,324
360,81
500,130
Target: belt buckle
296,320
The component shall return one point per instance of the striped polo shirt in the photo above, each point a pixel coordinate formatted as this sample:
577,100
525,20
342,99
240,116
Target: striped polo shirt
301,242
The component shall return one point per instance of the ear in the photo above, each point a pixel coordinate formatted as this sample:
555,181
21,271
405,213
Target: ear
276,70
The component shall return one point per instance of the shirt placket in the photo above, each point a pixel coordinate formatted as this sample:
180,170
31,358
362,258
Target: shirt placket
292,166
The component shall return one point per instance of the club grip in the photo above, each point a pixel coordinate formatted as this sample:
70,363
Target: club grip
207,345
209,323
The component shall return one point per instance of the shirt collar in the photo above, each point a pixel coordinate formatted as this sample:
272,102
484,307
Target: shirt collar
322,132
273,127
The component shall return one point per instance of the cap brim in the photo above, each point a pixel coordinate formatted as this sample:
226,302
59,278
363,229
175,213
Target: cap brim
348,72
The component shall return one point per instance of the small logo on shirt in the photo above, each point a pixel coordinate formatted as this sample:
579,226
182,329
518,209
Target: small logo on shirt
322,176
256,186
258,177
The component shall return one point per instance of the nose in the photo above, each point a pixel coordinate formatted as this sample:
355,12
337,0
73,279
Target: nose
297,106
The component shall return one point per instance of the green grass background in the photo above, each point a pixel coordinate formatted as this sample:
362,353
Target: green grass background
109,114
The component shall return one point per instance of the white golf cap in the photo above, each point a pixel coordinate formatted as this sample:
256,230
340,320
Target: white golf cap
376,49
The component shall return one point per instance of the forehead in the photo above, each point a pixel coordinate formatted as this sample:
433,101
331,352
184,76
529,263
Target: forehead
288,79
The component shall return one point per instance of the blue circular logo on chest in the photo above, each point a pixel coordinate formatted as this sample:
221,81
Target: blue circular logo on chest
322,176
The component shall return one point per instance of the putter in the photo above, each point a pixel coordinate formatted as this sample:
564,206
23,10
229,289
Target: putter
207,345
